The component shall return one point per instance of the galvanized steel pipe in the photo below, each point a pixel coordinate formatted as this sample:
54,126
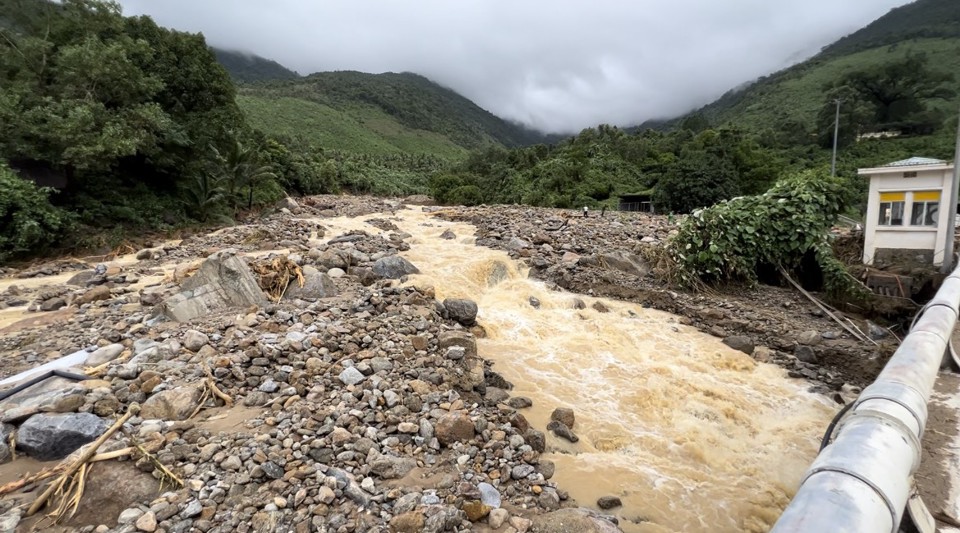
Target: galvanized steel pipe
860,483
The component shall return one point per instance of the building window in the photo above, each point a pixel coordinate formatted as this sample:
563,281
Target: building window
926,206
892,205
909,174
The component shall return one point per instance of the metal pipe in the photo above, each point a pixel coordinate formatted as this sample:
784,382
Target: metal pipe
860,483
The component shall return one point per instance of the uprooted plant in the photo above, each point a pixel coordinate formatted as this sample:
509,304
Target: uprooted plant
735,239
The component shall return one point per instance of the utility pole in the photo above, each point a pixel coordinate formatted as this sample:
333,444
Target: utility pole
952,209
836,133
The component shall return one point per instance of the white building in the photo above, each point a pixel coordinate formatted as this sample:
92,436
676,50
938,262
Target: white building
907,217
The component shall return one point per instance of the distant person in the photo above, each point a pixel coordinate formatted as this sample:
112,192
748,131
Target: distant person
586,210
602,211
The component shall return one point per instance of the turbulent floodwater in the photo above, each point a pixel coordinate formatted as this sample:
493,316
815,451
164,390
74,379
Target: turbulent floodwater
690,434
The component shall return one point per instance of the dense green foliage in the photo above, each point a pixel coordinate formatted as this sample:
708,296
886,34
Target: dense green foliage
733,240
248,68
686,170
407,104
27,219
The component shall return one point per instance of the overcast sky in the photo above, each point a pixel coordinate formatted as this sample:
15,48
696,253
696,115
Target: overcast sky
557,65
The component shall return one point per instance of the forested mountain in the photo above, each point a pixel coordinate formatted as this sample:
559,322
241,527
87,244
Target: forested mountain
791,102
246,67
379,113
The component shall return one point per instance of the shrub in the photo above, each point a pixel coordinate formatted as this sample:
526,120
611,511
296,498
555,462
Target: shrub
28,221
733,239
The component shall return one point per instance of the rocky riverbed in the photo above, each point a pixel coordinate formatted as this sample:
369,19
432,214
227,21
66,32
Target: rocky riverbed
357,402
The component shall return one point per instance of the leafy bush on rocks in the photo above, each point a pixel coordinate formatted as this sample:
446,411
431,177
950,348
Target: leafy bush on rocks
27,219
735,239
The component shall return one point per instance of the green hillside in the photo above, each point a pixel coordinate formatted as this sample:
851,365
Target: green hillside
796,95
401,111
357,128
790,100
247,68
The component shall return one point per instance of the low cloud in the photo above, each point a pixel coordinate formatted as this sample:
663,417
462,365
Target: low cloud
558,65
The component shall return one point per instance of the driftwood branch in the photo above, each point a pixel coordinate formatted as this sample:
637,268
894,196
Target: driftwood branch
134,409
855,332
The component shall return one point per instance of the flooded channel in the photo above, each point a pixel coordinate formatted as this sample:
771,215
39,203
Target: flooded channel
690,434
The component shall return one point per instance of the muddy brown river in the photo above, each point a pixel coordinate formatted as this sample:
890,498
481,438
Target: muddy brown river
690,434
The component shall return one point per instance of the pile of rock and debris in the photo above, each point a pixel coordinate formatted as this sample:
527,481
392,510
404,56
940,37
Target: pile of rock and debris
354,404
605,256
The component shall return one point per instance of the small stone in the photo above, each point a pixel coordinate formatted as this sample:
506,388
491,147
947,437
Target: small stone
740,343
489,495
351,376
336,273
462,310
564,415
194,340
805,354
231,463
326,495
192,509
129,516
448,235
147,522
408,427
475,510
608,502
52,304
521,471
410,522
520,402
497,518
454,427
561,430
104,355
547,468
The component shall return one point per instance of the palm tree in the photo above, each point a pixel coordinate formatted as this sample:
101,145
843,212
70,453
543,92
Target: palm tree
240,167
203,195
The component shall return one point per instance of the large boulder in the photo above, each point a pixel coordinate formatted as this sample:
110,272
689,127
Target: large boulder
100,292
224,280
573,520
333,259
53,395
394,267
462,310
175,404
316,285
49,437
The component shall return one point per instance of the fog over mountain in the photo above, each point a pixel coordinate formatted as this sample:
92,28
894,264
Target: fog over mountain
558,65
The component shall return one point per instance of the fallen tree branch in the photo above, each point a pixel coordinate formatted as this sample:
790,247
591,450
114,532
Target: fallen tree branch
214,389
132,410
856,333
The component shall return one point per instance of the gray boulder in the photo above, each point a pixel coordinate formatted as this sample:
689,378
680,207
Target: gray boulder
740,342
316,285
394,267
462,310
175,404
48,437
224,280
104,355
